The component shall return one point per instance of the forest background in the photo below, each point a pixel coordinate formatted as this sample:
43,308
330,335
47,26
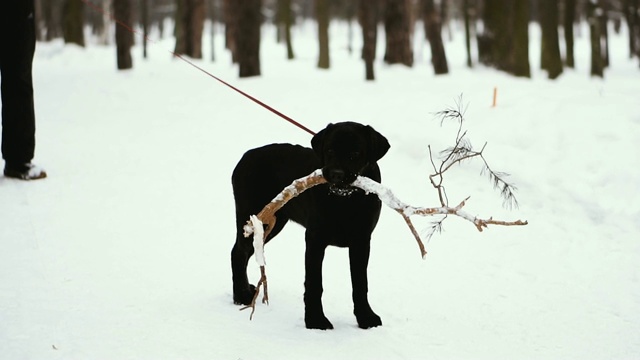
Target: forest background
499,29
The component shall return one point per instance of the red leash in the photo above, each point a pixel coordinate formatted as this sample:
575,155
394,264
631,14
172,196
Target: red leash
130,29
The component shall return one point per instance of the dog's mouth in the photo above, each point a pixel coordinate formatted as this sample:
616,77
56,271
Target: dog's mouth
342,190
340,181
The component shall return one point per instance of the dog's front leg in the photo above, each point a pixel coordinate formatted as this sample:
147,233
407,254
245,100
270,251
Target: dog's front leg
358,262
314,317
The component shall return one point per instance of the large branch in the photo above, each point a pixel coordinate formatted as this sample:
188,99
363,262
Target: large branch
261,225
267,215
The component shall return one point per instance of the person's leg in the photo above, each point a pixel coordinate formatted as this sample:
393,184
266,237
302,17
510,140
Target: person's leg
17,42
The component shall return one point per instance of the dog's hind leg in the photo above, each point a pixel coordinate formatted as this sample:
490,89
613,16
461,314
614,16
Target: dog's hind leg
242,250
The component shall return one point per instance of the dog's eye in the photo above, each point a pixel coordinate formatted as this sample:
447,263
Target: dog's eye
355,155
331,153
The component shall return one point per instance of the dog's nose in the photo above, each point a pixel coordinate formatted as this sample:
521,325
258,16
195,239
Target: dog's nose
336,176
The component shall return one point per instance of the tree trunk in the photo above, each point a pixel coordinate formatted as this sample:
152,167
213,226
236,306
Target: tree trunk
286,21
494,43
597,63
39,19
368,17
211,5
636,16
198,11
231,10
145,26
52,13
631,15
467,30
504,43
398,37
487,38
190,15
180,30
604,39
519,59
550,52
322,16
433,30
124,38
73,22
249,19
569,20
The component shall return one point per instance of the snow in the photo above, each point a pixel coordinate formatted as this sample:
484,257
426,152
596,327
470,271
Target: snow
123,251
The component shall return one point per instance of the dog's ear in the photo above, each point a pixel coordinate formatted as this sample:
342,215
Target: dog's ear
379,144
317,142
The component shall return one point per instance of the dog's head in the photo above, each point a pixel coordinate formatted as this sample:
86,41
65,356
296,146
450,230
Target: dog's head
345,150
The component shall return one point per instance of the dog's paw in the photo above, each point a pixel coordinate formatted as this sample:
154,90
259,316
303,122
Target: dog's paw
244,297
368,320
319,322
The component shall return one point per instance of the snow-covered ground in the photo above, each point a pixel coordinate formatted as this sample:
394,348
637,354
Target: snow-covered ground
123,252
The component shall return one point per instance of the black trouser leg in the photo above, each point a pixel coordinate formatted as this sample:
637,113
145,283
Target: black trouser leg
17,47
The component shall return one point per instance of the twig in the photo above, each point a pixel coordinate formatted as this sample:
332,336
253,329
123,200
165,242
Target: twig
387,197
462,151
265,297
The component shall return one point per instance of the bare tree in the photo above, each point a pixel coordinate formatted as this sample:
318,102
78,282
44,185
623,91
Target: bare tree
212,6
489,39
433,30
144,7
603,17
597,62
368,18
504,41
284,19
231,9
322,17
247,36
124,37
550,52
631,13
397,31
190,15
469,10
518,60
569,20
73,22
51,15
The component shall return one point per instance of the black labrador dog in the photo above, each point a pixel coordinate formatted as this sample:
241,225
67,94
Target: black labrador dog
333,213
